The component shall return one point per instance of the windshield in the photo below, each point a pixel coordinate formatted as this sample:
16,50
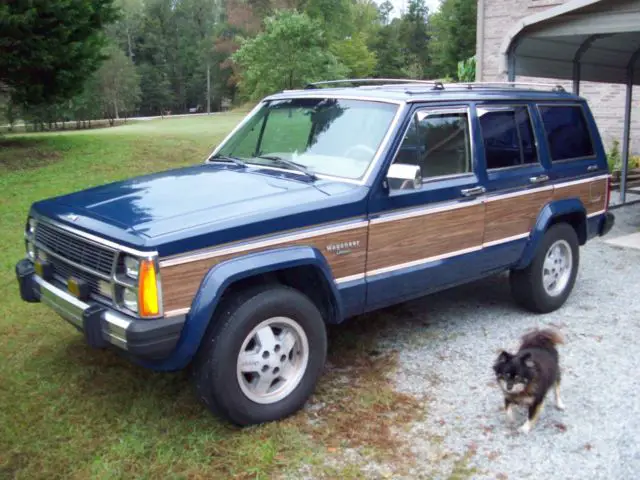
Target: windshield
324,136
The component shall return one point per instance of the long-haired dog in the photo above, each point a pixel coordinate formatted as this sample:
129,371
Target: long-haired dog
526,376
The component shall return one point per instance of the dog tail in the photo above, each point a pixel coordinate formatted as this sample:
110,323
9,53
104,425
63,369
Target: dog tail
545,338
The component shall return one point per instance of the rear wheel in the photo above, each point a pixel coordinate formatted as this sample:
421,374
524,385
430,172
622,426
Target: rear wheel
263,358
547,282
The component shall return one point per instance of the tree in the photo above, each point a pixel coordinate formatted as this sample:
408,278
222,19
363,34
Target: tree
156,94
355,56
414,36
385,10
389,52
453,30
290,52
334,16
50,47
117,84
127,30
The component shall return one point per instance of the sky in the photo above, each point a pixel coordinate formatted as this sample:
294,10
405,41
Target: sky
399,4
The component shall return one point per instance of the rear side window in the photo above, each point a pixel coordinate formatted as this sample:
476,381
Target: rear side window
508,138
567,132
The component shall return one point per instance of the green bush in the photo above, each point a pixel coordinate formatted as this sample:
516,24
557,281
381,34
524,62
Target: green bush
613,157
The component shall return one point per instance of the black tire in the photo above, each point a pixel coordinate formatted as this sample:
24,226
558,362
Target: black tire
527,284
215,366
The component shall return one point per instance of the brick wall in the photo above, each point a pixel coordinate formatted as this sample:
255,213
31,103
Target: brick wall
606,100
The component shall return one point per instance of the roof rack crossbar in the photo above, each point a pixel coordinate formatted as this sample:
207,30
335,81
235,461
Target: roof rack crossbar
470,85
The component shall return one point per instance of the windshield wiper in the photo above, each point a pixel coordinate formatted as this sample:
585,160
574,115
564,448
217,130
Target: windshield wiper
228,159
290,164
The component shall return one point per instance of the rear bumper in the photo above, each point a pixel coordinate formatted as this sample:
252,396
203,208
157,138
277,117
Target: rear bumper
102,327
606,223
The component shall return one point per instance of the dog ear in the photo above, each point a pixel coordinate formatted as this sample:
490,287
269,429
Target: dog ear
527,360
502,358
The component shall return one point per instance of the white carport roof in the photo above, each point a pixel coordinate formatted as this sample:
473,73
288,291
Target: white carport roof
590,40
601,36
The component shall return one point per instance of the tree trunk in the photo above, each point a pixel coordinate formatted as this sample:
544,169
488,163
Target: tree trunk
129,44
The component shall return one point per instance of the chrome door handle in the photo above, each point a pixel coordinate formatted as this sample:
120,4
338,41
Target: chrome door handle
539,179
592,168
468,192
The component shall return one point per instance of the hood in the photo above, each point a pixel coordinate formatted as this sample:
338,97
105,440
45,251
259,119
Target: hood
175,200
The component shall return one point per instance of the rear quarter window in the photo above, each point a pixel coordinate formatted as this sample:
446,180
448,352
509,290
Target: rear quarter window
566,131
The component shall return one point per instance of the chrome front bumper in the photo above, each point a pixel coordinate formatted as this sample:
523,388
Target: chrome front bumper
114,325
102,326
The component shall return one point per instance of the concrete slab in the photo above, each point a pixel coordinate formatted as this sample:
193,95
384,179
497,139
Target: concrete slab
626,241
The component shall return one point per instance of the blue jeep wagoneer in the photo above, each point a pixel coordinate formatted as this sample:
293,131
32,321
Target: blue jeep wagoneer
324,203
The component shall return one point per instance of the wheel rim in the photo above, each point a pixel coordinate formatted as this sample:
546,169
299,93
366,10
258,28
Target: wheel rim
272,360
557,267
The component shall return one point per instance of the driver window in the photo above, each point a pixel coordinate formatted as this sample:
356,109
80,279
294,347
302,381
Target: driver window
438,143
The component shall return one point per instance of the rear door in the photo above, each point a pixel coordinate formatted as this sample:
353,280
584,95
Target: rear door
517,179
578,165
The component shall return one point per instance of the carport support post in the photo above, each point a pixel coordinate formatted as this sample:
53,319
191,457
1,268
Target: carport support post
626,136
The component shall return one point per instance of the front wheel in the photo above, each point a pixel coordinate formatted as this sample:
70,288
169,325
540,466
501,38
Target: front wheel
263,357
547,282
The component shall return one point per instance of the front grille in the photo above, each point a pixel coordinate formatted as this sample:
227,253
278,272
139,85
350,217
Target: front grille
75,249
63,271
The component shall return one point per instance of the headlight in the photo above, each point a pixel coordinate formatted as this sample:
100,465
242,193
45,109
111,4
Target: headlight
31,251
31,226
131,267
130,299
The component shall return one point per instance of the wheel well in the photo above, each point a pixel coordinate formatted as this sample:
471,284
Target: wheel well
577,220
306,279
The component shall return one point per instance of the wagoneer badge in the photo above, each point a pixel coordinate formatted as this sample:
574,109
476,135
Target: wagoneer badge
343,248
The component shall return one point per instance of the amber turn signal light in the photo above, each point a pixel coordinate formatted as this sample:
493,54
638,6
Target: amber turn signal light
148,301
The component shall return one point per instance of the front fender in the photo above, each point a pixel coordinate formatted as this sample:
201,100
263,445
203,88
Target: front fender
218,279
545,218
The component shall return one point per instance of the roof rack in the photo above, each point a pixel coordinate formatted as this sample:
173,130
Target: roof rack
437,85
470,85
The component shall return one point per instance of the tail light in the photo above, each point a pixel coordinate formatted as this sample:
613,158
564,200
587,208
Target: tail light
608,192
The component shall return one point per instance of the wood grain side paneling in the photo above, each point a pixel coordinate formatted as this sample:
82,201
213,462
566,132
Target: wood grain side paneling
592,194
513,216
180,282
407,240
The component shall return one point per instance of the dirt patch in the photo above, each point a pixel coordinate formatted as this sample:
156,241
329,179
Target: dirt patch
356,413
26,154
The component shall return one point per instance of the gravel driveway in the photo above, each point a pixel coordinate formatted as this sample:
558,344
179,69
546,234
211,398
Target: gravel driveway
449,341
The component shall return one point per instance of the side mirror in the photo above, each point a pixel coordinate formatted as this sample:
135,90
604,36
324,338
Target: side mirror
403,176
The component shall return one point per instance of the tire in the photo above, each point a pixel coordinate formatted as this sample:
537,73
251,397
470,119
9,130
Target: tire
528,284
270,387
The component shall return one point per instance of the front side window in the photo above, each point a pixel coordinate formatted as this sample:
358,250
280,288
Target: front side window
438,142
326,136
508,138
567,132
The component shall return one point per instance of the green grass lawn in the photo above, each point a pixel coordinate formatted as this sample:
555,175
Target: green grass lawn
67,411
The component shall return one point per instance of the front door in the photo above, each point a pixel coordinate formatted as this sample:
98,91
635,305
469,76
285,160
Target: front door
423,239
